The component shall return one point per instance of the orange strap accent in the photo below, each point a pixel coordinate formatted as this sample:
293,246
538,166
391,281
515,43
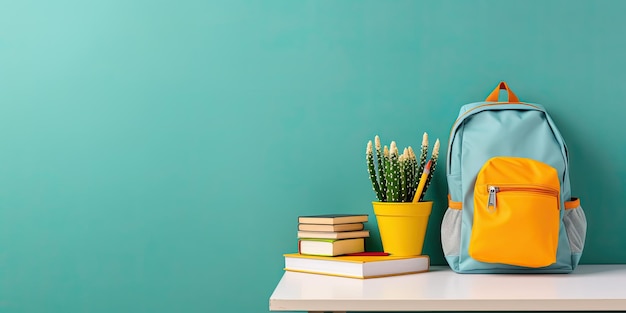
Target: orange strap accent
454,205
572,203
495,94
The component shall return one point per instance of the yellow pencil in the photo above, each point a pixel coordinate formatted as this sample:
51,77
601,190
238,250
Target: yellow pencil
420,186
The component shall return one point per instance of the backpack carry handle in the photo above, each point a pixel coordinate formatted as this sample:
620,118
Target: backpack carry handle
493,97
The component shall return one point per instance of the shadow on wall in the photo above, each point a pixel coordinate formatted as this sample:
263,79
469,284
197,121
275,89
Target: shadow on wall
597,189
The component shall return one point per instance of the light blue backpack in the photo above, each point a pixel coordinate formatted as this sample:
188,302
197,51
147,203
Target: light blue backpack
510,206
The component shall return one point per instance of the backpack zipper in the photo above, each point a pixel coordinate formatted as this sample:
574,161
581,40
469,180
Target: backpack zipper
491,203
493,190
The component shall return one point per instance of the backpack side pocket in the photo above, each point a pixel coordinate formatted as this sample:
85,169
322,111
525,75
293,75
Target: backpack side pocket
451,229
575,224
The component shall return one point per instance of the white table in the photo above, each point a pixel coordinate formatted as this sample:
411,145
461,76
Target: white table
588,288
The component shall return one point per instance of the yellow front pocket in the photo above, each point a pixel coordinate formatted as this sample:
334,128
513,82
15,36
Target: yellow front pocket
516,213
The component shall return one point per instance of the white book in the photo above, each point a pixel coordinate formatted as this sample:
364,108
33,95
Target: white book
357,266
331,247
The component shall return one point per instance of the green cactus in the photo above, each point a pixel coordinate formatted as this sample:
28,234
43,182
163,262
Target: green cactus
412,181
403,176
423,155
433,165
372,171
386,168
382,183
395,176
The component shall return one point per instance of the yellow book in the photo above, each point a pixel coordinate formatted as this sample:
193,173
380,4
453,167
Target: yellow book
357,266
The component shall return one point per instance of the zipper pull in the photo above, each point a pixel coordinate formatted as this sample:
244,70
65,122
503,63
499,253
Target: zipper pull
491,204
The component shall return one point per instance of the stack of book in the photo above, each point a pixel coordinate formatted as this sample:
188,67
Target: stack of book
332,234
334,245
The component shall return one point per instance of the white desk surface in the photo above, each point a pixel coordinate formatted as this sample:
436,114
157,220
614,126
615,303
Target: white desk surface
588,288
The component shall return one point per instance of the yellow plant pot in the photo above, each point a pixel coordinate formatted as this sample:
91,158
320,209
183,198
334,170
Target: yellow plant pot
402,226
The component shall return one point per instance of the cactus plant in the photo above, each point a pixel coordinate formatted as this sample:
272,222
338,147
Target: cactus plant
392,174
413,179
423,155
382,183
433,158
404,175
370,167
395,176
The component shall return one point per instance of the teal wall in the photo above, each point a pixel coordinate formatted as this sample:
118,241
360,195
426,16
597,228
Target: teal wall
154,155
